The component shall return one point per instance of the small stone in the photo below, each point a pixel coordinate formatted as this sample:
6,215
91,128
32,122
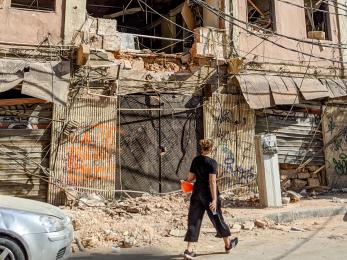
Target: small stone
76,224
280,228
294,196
89,242
248,225
177,233
116,249
304,175
297,229
338,200
129,242
236,228
285,200
133,210
260,224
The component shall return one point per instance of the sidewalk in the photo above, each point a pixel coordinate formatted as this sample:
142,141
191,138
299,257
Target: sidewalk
323,206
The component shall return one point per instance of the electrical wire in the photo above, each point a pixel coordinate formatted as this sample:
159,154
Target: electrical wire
223,15
217,12
312,8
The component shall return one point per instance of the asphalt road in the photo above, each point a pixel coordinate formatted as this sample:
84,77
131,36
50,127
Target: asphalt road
328,241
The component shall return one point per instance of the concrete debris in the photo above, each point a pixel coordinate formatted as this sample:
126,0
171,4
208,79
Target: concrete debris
280,228
336,237
285,200
115,249
76,224
129,242
260,223
91,200
297,229
294,196
177,232
236,228
338,200
344,189
248,225
89,242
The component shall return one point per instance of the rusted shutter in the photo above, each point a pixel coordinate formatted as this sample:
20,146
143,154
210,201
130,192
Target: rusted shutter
24,149
84,147
299,135
229,121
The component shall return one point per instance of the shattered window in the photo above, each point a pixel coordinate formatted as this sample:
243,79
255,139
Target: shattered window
317,19
45,5
159,25
261,14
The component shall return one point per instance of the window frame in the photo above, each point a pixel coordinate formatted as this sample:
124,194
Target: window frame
328,36
34,9
273,28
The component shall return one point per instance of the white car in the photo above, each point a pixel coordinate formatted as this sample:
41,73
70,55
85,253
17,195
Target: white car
31,230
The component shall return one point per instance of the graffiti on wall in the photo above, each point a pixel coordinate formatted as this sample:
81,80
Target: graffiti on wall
336,152
230,123
88,158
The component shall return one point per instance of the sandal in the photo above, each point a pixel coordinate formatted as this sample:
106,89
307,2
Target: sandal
189,255
233,243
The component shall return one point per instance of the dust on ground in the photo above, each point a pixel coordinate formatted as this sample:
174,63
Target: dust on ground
151,220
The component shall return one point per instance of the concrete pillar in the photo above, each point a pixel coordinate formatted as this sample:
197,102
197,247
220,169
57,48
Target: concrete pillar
75,16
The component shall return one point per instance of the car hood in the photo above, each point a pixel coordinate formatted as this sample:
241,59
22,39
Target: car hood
30,206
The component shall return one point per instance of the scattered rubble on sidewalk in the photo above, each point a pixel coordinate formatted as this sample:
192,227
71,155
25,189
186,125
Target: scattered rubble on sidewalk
338,200
248,225
148,219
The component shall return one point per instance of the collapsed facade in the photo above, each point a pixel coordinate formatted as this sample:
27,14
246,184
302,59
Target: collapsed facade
108,96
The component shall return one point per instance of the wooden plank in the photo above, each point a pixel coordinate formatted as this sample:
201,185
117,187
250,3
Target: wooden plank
21,101
256,7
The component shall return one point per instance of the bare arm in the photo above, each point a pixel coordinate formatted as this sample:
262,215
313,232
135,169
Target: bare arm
191,177
213,189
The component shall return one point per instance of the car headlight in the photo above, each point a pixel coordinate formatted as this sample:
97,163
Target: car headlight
52,224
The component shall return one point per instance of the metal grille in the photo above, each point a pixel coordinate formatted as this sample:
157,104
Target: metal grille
230,123
84,147
24,148
157,146
61,253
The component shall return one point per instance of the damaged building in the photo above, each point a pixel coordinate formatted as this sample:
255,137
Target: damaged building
113,96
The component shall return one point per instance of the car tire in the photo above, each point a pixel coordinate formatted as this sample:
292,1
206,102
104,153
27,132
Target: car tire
15,250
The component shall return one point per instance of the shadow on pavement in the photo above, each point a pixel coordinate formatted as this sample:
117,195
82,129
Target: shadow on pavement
109,256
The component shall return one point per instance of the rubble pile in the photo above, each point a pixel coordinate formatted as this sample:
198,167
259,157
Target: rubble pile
310,177
129,223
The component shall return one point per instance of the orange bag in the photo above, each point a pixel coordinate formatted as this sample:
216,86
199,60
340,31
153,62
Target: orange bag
186,186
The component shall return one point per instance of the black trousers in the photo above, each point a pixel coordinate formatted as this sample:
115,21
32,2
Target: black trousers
199,203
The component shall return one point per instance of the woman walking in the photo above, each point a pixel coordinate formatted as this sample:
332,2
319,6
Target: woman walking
205,197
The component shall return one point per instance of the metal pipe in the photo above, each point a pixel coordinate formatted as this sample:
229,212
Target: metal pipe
159,150
157,37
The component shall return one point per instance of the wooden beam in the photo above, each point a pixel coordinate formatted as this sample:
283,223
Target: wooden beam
21,101
256,7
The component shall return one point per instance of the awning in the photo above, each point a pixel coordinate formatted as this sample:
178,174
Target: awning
336,88
283,90
49,81
11,73
266,91
311,88
256,90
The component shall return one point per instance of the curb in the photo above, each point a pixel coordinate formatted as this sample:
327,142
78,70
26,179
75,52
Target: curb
290,216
